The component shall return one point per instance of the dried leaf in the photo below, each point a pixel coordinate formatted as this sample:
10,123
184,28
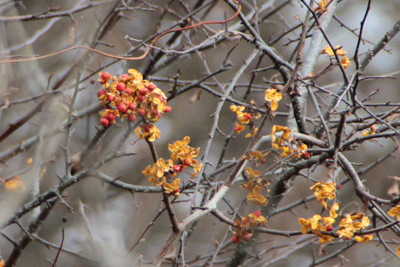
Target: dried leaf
196,96
7,102
393,191
71,36
42,173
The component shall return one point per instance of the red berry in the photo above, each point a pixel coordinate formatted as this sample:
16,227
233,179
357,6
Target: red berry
246,237
92,81
104,122
151,86
105,75
141,112
143,91
237,128
141,98
101,92
347,238
110,117
110,97
131,117
147,129
329,228
339,186
154,112
257,213
158,115
306,154
122,107
131,106
177,168
167,109
123,77
120,87
129,91
248,115
175,192
188,162
235,239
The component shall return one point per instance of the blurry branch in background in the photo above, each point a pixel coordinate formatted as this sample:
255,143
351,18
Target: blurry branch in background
322,126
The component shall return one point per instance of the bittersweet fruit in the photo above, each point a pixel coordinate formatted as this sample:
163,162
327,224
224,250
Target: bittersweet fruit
129,91
110,98
131,117
105,75
123,77
151,86
246,237
235,239
120,87
188,162
154,112
143,91
131,106
141,112
101,92
257,213
110,117
121,107
104,122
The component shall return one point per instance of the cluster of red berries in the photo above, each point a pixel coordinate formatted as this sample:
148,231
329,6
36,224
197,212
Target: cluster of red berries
130,96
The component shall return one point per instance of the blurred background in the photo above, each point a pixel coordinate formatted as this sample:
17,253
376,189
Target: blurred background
107,221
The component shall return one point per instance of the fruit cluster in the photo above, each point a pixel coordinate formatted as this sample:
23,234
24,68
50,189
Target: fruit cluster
182,156
244,229
131,96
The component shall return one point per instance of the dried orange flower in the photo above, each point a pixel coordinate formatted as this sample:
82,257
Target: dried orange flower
333,209
316,227
321,6
244,228
250,135
255,194
345,62
328,50
348,226
310,223
148,131
271,95
157,171
371,130
185,154
253,174
323,191
243,117
256,156
365,238
239,128
172,189
286,132
395,211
